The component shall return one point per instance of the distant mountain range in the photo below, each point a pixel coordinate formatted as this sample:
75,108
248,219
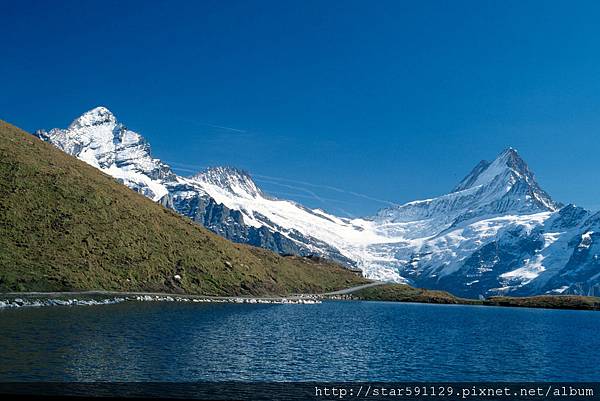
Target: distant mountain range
497,232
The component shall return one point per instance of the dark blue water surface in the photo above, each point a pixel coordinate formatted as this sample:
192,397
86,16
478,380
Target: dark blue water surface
341,341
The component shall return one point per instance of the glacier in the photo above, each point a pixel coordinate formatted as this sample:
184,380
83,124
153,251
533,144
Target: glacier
497,232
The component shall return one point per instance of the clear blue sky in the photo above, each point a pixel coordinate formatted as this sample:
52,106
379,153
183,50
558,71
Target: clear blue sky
394,99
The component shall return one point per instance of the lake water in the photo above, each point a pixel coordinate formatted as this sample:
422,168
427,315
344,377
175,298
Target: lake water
341,341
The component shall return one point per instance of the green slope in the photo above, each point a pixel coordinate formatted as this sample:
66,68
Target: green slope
64,225
405,293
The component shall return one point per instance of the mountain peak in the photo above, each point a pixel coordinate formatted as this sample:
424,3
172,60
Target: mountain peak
98,139
97,116
511,158
508,172
232,179
506,163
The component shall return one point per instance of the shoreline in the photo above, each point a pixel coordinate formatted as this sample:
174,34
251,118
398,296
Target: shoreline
53,298
87,298
405,293
13,300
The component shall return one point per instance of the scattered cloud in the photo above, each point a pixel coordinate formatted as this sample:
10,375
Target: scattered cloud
220,127
300,189
329,187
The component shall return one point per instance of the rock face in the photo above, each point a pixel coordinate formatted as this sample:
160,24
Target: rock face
189,198
496,232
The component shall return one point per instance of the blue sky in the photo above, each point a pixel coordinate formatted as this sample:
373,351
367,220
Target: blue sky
394,99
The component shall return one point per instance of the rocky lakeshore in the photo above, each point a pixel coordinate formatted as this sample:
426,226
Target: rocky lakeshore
96,299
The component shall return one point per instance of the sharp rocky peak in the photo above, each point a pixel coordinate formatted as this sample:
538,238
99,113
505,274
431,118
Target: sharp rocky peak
232,179
98,139
507,163
507,172
94,117
505,185
510,158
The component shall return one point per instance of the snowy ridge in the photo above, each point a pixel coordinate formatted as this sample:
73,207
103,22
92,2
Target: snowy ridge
239,192
496,232
235,181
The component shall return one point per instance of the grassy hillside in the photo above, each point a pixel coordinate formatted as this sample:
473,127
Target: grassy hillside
548,302
406,293
64,225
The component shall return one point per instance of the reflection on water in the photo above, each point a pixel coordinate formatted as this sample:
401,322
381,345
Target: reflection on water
342,341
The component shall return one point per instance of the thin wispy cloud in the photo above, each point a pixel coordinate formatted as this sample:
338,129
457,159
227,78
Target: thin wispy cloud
297,195
329,187
222,127
216,126
297,185
187,170
308,194
215,134
297,188
303,189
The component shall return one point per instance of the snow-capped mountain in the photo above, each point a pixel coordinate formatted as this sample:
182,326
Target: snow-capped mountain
496,232
504,186
98,139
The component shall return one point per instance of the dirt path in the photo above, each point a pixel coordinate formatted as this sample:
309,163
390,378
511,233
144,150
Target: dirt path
133,294
354,289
